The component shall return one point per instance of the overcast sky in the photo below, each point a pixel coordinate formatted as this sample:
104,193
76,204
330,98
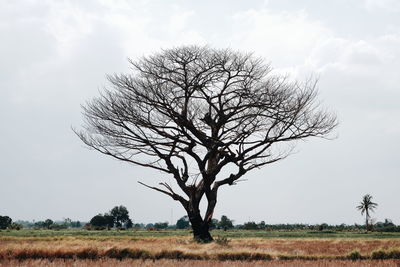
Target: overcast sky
54,56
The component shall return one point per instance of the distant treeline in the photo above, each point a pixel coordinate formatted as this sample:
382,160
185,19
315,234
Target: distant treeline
50,224
118,218
386,226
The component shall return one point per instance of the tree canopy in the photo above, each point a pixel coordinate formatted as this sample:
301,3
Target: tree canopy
5,222
120,214
225,223
118,217
183,223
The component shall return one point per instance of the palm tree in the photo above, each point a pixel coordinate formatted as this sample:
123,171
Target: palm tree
366,205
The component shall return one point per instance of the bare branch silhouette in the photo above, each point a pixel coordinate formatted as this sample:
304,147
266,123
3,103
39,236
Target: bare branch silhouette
193,111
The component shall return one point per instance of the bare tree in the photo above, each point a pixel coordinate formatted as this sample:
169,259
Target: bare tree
197,112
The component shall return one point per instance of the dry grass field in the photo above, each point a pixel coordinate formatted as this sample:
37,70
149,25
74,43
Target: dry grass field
131,250
273,247
194,263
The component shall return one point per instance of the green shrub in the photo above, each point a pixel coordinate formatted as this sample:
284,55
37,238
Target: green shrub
379,254
87,253
394,253
385,254
127,253
286,257
169,254
354,255
242,256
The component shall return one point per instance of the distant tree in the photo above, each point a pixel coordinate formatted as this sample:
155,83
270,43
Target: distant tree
109,220
193,112
322,226
102,221
68,222
76,224
214,224
120,215
5,222
98,221
161,225
183,223
366,205
48,223
388,222
149,226
250,226
262,225
129,224
225,223
387,226
25,224
39,224
15,226
56,226
139,226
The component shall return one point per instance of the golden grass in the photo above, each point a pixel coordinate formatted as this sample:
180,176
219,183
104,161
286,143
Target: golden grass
243,249
193,263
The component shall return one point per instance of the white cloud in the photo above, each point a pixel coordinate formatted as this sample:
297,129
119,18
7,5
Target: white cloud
178,22
299,45
387,5
285,38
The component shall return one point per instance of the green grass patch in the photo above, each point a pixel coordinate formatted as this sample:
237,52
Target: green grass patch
140,234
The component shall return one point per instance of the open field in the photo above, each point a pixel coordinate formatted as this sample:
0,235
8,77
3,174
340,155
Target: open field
192,263
80,248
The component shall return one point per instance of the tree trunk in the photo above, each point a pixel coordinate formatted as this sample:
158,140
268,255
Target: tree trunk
201,228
